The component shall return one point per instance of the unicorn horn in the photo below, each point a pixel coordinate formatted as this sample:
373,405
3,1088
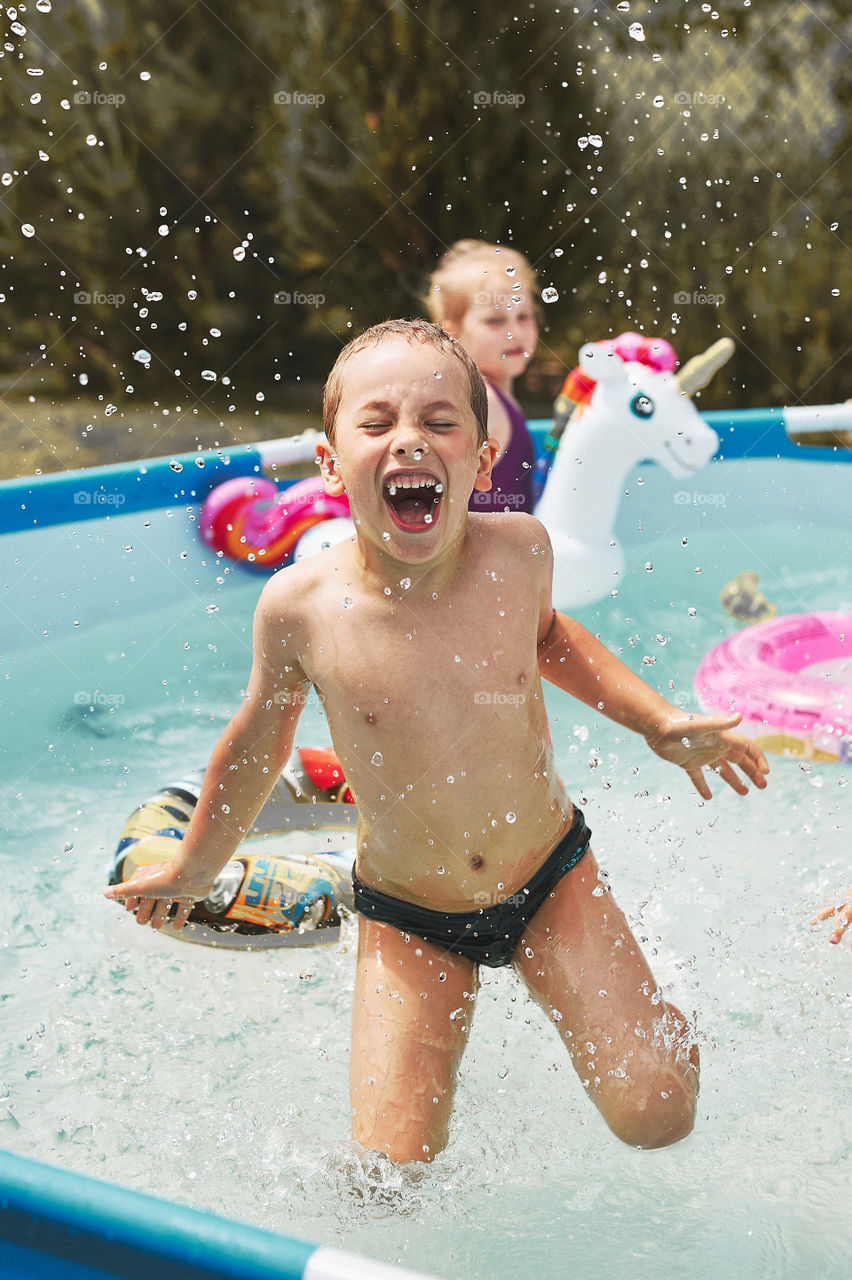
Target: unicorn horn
698,371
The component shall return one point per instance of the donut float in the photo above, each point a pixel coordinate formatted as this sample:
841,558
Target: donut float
789,678
260,899
252,520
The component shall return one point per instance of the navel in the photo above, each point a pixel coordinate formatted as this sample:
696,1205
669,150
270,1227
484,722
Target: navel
477,862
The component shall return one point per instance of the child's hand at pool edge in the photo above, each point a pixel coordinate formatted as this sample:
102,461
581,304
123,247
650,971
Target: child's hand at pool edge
696,742
151,890
843,910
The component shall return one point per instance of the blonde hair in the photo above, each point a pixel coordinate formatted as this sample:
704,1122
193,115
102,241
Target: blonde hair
412,331
474,271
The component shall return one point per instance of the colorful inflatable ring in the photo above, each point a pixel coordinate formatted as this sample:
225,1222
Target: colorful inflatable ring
258,900
254,521
770,673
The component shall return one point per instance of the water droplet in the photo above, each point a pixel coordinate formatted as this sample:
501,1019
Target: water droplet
239,253
649,567
692,612
43,6
208,375
176,466
550,294
144,75
437,374
91,140
110,409
660,639
226,808
511,817
386,538
636,31
529,953
442,977
377,759
347,603
212,608
388,591
450,777
143,356
199,462
441,871
28,230
260,396
67,847
595,140
405,583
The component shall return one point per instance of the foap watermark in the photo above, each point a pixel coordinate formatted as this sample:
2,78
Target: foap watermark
98,698
296,98
698,98
685,498
484,898
683,298
284,698
496,298
99,498
492,499
498,98
497,698
284,298
83,298
85,98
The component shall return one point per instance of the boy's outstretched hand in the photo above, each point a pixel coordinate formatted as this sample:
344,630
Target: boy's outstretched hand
151,891
843,910
696,742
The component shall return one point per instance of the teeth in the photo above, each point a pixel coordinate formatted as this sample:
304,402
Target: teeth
404,483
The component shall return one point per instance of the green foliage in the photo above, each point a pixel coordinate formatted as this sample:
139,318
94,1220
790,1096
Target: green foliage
286,174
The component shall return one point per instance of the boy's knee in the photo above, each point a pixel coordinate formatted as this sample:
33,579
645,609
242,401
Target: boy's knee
655,1119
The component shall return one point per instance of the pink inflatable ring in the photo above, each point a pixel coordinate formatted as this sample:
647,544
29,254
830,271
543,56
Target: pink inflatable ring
255,521
771,674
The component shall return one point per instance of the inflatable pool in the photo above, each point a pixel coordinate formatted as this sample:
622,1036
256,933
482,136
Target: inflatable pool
787,678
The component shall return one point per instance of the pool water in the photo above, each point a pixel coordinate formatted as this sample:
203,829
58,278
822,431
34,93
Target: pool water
219,1079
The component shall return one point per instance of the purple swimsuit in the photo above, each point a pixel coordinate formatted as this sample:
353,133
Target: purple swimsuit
512,475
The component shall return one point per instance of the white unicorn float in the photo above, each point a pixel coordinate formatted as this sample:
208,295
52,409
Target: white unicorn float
634,410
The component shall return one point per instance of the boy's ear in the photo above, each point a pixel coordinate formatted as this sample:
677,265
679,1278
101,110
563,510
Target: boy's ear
331,477
487,455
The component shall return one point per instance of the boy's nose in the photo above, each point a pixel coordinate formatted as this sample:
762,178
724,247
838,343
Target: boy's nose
410,442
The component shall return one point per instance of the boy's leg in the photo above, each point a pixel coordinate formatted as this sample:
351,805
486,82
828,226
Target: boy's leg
410,1024
633,1052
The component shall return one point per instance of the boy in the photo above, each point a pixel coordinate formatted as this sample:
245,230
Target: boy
426,636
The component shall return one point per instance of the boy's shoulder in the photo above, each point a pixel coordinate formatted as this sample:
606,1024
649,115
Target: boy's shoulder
514,529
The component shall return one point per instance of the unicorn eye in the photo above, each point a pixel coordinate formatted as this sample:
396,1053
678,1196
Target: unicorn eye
642,406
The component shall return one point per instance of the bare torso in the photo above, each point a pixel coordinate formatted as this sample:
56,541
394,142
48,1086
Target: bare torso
435,706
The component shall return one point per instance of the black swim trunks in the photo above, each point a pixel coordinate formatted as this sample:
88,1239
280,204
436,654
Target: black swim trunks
489,935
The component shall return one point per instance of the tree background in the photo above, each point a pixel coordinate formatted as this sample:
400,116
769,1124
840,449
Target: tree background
202,202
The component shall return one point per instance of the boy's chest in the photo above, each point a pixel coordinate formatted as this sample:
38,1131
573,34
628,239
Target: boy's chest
400,663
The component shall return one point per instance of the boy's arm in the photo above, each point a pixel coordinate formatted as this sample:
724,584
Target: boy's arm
574,660
244,767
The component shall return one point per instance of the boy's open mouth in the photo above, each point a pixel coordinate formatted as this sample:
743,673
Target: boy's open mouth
413,501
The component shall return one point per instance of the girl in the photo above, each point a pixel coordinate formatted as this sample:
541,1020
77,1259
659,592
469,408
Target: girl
483,294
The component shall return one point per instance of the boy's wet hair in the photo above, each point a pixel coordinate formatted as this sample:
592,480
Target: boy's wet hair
412,331
475,271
